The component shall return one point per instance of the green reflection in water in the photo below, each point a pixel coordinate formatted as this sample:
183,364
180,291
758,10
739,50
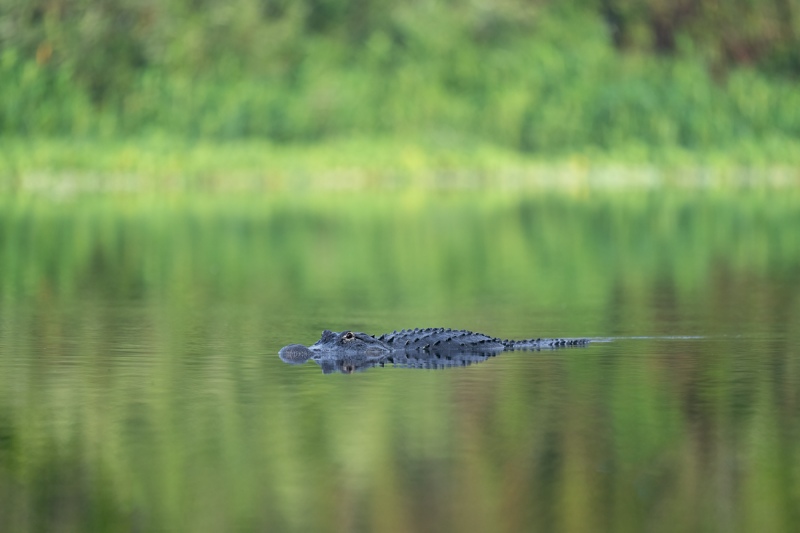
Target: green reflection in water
140,386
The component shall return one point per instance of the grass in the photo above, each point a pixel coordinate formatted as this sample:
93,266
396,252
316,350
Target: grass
161,164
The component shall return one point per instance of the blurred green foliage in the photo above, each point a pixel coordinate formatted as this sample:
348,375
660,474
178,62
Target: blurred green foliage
540,77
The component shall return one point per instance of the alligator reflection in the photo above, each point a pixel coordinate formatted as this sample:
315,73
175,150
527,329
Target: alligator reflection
350,351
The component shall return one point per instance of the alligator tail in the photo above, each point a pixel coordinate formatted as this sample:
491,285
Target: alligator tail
536,344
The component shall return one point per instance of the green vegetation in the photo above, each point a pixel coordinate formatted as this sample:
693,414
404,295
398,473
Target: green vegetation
159,164
551,79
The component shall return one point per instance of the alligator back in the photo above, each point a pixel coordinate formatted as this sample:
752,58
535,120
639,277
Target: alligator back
445,339
441,339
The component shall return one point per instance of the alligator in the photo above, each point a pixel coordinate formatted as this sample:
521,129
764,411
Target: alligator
349,351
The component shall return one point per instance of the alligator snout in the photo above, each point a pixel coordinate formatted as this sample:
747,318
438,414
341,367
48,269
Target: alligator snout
295,354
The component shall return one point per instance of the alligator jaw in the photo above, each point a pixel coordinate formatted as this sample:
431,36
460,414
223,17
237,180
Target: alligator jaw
295,354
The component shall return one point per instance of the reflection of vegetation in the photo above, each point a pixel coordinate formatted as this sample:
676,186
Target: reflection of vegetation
139,386
405,247
541,79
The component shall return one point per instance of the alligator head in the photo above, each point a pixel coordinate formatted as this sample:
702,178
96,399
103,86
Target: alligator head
333,346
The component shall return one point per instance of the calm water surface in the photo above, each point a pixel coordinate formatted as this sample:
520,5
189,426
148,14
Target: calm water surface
140,387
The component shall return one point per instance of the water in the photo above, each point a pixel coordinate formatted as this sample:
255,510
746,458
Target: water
140,387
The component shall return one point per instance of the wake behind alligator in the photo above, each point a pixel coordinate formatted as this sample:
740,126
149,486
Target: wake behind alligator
350,351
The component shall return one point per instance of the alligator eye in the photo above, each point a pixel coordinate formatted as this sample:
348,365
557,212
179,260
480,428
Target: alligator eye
349,336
